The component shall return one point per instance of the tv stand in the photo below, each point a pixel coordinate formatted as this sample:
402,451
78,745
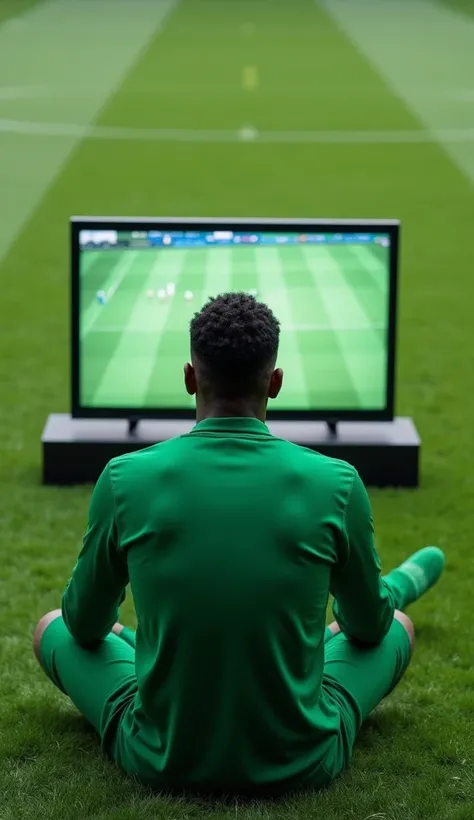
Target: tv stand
386,454
132,426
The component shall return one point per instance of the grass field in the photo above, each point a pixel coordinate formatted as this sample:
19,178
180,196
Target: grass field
332,301
260,108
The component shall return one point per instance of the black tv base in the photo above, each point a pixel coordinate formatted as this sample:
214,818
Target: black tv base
75,451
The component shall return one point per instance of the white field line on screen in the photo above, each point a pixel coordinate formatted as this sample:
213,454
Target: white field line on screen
110,292
284,327
22,92
115,279
148,322
325,327
99,132
122,270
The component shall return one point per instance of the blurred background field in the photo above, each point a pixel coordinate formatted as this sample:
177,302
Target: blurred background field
240,108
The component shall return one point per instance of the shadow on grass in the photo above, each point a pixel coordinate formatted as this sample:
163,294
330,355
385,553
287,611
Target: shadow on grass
57,740
50,736
31,475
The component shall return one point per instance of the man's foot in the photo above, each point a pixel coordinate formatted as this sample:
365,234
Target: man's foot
416,575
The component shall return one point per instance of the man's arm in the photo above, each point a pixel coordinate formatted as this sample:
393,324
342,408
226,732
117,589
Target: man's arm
364,604
97,587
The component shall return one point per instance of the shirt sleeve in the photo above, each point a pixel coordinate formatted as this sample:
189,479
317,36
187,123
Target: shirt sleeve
364,605
96,589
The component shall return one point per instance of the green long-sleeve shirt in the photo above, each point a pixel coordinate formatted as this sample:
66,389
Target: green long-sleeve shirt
231,540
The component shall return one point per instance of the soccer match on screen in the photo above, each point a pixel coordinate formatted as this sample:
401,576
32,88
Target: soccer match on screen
139,289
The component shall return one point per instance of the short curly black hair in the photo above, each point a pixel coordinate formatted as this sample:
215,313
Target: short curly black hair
235,341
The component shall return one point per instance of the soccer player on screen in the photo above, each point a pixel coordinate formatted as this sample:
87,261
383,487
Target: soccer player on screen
232,541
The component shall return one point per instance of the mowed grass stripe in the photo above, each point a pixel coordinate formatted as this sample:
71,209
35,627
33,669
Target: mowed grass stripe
428,78
245,274
357,268
360,350
165,382
381,255
219,269
329,381
275,289
44,50
88,259
13,9
375,262
462,6
99,347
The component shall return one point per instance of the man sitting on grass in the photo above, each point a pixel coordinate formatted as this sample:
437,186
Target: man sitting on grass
231,540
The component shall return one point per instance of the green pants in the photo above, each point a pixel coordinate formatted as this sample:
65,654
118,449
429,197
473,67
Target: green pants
101,683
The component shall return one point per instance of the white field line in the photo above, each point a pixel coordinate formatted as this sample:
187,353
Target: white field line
151,323
101,132
286,328
115,278
324,327
121,272
23,92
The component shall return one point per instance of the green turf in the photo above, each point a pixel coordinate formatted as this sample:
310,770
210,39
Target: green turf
12,9
332,302
414,760
462,6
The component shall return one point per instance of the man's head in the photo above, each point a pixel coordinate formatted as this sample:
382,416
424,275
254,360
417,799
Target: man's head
234,347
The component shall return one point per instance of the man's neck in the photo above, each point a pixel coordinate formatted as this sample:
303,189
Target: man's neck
222,410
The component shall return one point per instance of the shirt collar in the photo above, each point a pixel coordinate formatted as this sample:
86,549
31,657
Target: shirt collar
240,424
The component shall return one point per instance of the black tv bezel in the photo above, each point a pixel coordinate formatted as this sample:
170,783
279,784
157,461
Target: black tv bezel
80,223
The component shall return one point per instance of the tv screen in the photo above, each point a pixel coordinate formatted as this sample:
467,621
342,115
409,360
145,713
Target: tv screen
137,283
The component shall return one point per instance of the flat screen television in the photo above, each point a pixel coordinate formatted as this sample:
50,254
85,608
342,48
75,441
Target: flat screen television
136,283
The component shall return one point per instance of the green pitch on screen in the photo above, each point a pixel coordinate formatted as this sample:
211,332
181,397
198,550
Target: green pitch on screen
332,303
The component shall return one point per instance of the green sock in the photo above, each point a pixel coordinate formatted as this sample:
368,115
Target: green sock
415,576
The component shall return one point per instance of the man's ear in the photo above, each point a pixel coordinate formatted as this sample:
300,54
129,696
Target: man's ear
190,379
276,382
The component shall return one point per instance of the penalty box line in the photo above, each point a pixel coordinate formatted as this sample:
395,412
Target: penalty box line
305,328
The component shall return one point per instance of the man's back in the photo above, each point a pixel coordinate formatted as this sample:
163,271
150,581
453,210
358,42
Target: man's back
229,536
232,541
